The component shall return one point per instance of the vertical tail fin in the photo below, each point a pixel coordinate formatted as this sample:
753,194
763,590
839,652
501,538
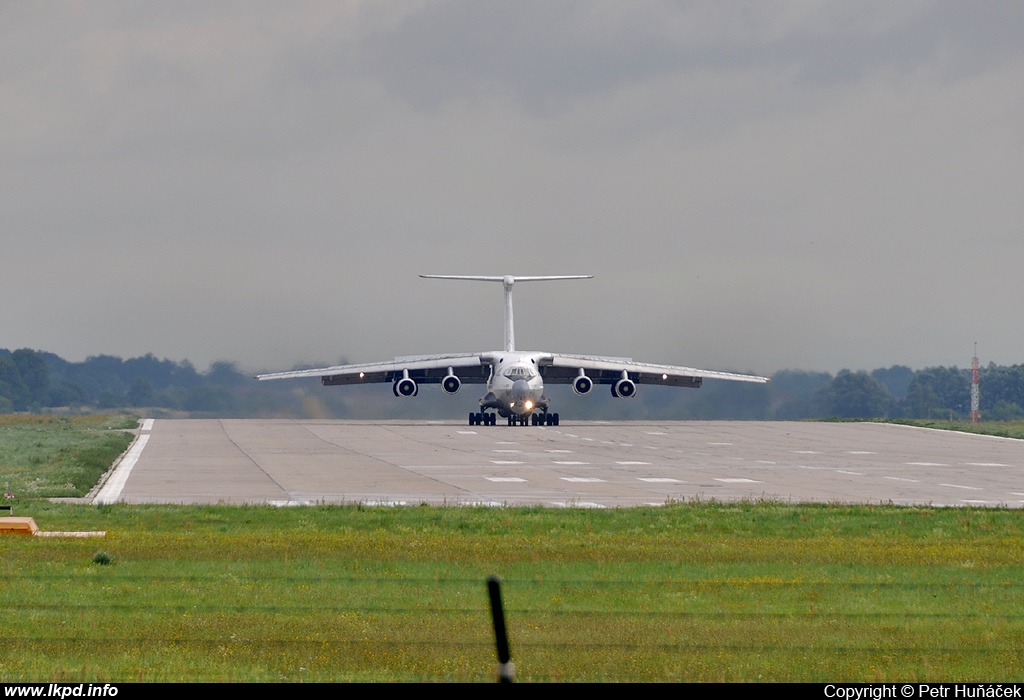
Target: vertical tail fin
507,282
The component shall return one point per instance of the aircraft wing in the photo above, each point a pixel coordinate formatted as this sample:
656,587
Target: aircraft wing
471,368
563,369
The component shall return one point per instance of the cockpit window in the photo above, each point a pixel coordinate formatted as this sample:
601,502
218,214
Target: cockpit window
520,372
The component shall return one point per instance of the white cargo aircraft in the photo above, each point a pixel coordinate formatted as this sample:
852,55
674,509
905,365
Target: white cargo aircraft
514,378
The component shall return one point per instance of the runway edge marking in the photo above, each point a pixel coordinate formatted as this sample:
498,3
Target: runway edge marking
111,490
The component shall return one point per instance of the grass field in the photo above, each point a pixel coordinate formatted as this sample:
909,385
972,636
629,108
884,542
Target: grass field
50,456
704,591
696,591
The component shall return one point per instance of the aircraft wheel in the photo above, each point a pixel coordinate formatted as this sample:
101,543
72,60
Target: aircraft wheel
555,419
472,418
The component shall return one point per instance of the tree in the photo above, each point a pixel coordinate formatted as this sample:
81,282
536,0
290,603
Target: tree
854,395
896,379
67,394
34,374
1004,410
140,393
226,374
12,387
936,391
793,393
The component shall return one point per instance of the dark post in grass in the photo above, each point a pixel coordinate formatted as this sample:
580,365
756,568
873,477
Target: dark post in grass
506,669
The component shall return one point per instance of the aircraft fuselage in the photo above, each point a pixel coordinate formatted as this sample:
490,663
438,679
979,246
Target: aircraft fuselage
515,386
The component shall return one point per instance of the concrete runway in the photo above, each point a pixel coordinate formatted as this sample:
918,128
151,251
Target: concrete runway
587,464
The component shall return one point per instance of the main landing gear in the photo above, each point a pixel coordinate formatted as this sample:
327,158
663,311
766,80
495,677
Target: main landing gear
483,419
534,419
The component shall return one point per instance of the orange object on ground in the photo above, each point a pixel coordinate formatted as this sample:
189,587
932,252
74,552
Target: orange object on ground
18,526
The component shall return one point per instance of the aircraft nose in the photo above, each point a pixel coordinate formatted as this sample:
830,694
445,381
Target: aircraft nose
520,389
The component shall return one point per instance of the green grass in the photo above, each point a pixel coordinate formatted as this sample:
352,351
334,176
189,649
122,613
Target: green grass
704,591
1010,429
701,591
52,456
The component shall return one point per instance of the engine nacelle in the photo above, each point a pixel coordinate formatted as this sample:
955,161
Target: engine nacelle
451,384
582,384
624,389
405,387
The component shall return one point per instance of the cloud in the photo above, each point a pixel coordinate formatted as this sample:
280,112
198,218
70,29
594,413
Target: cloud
755,185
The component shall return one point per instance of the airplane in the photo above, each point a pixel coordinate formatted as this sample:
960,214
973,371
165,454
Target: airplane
514,378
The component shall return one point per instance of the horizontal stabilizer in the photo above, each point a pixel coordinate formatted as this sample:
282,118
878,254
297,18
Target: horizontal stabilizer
507,278
507,281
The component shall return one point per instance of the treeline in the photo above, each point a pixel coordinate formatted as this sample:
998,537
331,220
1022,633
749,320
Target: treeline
895,392
32,380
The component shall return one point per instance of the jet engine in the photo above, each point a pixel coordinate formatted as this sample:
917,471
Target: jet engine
405,387
451,384
582,384
624,389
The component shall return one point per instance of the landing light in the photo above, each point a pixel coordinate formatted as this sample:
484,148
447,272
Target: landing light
361,375
529,405
664,377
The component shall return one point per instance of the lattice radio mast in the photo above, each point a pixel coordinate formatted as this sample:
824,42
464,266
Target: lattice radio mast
975,372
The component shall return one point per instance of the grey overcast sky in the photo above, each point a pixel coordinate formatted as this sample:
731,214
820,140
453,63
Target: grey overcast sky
754,185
